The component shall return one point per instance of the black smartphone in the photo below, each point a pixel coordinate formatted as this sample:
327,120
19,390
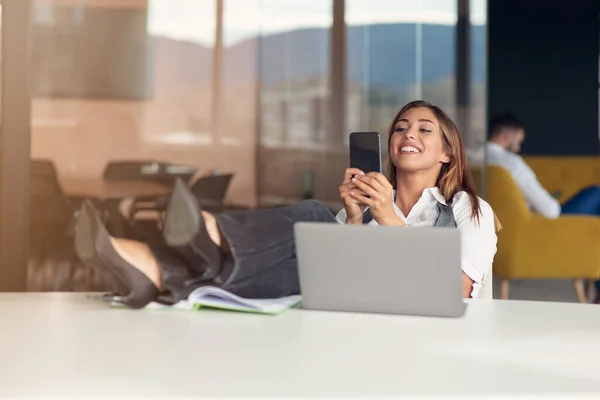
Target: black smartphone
365,151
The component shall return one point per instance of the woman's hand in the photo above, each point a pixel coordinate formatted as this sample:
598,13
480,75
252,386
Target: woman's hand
354,208
376,192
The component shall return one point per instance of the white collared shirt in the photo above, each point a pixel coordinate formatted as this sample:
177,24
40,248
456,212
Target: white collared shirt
538,199
478,240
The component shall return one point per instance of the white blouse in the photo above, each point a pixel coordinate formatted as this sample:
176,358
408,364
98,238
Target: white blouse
478,239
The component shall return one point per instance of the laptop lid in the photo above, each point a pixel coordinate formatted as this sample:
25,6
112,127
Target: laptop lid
369,268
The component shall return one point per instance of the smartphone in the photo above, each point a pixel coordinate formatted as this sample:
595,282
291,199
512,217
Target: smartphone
365,151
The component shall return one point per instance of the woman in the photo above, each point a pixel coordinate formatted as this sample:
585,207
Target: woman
252,253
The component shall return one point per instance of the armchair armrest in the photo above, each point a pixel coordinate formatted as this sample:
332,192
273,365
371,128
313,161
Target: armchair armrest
567,247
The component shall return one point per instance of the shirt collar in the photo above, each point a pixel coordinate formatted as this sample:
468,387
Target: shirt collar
433,193
436,194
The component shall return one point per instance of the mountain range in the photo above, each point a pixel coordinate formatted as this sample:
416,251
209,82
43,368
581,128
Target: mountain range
378,55
383,54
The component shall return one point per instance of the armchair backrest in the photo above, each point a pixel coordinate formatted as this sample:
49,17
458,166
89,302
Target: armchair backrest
509,205
506,198
503,195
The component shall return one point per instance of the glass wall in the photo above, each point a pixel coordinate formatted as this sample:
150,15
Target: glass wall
137,80
154,81
238,86
478,39
395,51
398,51
294,98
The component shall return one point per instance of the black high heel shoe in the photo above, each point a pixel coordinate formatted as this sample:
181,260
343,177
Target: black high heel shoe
93,247
184,229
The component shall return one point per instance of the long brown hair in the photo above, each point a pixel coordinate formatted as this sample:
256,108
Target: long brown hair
454,176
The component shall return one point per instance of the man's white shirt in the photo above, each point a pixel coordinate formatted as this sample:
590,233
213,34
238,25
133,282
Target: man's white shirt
538,198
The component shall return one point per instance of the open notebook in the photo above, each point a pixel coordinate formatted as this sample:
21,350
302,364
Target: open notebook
214,297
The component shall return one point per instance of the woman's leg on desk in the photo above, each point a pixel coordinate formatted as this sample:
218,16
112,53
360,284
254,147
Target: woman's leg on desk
250,253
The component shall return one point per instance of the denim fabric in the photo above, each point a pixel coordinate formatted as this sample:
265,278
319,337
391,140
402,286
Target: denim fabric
262,245
262,263
586,202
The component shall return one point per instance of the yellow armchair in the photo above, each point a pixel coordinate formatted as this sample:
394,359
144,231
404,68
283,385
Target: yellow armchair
531,246
566,175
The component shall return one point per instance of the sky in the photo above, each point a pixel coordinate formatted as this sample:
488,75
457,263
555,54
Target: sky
193,20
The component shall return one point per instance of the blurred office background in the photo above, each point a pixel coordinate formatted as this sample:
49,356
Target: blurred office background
252,101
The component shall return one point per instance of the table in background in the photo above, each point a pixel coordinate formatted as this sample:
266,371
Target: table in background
109,194
67,345
111,190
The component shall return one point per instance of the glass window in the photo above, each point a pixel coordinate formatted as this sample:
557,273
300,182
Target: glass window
398,51
294,99
478,114
135,81
294,72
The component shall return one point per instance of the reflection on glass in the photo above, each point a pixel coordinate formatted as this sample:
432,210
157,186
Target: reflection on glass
294,100
478,112
294,71
398,51
182,33
113,81
239,84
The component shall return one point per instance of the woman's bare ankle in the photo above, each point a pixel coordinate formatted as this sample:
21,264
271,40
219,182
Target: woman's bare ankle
139,255
212,227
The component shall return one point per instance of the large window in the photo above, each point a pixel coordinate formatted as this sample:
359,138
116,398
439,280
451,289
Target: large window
168,80
478,38
294,72
294,99
398,51
394,51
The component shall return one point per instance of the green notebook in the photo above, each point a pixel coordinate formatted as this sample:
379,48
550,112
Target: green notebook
214,297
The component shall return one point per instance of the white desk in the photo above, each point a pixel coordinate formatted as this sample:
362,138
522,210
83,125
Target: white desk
66,345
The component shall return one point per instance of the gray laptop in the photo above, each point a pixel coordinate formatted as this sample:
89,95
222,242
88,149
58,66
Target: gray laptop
378,269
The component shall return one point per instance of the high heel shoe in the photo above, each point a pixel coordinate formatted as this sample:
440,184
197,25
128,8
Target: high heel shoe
185,230
93,247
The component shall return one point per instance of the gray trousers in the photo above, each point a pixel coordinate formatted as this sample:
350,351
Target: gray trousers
262,262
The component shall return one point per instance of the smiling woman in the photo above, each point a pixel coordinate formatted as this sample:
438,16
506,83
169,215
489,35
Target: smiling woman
252,253
427,167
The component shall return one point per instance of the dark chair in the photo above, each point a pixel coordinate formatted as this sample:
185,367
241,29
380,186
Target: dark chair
52,218
211,190
53,264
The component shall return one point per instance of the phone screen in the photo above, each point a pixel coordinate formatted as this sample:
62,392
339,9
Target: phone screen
365,151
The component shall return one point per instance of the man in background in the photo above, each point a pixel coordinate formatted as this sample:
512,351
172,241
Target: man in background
504,143
506,135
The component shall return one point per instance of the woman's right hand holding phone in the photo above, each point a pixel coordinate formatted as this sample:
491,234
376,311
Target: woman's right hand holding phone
354,209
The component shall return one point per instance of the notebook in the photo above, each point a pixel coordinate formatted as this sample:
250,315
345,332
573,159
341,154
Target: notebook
217,298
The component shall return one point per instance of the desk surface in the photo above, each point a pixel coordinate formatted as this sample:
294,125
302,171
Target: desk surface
111,190
67,345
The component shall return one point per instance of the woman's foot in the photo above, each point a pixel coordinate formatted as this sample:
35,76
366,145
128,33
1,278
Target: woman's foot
193,232
131,269
138,254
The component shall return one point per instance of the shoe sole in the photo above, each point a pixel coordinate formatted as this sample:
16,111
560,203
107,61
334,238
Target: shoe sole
182,218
